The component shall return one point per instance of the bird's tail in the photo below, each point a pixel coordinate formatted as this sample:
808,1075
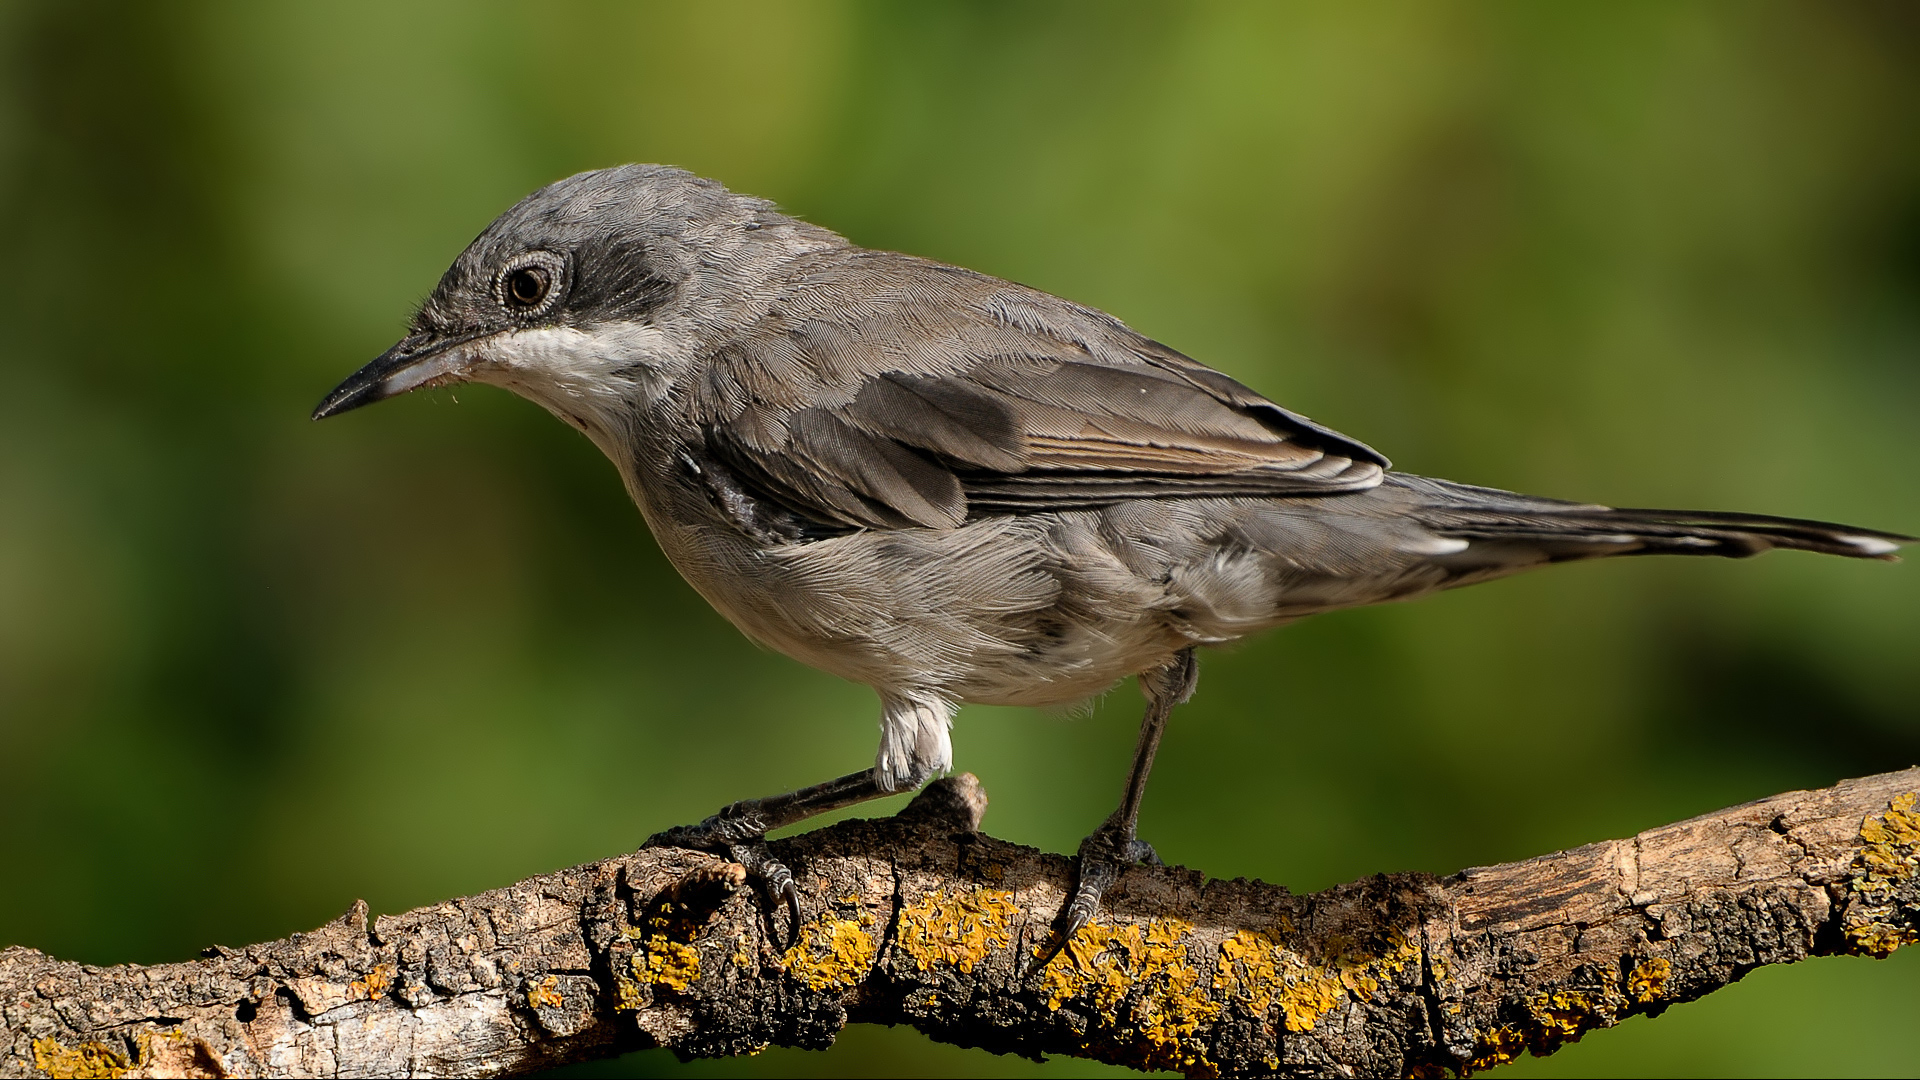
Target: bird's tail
1554,531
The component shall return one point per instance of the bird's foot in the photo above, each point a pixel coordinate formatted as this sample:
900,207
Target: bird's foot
1103,856
742,838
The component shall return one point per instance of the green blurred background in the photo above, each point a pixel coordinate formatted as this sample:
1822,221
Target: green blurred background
252,667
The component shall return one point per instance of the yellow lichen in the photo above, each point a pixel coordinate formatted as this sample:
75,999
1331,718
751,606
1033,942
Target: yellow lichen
1648,980
627,994
88,1061
1248,970
1879,939
1257,974
374,986
831,954
665,956
1307,997
1497,1047
665,962
958,932
1900,824
1889,855
1142,989
1563,1016
1362,971
545,993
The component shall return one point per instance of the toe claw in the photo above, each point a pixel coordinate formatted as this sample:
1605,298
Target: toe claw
777,881
792,893
1102,857
731,835
1095,879
1098,869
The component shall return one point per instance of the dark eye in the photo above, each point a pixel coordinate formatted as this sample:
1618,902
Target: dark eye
527,286
531,284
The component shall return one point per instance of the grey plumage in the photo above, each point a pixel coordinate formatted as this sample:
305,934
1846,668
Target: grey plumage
950,487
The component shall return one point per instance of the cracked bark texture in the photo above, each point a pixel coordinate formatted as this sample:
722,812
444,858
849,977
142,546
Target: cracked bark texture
919,919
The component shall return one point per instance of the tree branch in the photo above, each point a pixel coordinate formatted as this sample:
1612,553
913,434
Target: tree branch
921,920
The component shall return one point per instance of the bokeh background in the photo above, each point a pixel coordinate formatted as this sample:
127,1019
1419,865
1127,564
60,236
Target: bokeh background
252,667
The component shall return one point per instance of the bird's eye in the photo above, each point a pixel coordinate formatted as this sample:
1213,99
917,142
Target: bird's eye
527,286
530,284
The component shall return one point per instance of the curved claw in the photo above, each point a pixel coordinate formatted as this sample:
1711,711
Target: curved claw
1102,857
792,893
777,880
733,836
1095,879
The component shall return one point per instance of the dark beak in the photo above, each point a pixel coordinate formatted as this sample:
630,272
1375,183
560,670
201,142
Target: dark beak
418,360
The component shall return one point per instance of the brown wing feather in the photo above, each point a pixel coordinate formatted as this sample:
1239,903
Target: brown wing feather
886,391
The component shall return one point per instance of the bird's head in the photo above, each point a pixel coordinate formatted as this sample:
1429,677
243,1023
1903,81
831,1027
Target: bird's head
580,294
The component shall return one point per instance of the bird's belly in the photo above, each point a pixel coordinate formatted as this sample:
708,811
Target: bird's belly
1070,671
993,612
1050,608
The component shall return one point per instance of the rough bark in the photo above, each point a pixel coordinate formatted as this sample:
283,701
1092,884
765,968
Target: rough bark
921,920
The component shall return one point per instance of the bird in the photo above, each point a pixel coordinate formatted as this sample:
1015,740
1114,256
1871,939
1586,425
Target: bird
953,488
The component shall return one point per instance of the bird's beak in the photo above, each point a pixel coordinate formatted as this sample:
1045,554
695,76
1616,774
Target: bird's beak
417,360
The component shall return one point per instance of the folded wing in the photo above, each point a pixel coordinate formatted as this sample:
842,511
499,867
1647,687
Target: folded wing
885,391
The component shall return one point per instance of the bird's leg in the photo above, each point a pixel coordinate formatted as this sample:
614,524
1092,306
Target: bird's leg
1113,846
739,831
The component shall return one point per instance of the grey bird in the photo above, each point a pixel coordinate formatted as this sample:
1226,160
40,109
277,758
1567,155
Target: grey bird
953,488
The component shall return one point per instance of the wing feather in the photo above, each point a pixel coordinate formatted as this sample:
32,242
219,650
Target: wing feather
884,391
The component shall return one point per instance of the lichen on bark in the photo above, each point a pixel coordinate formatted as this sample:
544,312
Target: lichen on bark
920,919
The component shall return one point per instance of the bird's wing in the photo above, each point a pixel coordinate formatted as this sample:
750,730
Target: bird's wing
885,391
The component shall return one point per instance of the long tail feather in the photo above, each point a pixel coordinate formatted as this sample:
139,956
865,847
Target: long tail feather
1573,530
